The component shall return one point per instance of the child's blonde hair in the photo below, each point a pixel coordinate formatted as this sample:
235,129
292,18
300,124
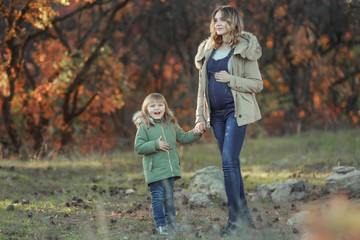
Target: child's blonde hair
151,98
235,20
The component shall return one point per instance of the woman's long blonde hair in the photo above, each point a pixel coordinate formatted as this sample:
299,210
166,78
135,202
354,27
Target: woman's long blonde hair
156,97
235,20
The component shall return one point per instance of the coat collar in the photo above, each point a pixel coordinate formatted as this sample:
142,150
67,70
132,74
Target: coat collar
248,47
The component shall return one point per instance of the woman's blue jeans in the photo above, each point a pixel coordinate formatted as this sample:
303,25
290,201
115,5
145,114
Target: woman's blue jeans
162,200
230,138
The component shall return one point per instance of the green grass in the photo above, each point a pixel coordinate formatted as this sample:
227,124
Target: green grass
265,160
69,198
320,149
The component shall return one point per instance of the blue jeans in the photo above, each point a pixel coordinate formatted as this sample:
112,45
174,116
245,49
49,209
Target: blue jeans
230,138
162,200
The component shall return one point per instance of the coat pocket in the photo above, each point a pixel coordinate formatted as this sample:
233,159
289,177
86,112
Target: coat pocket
178,158
148,163
247,97
245,105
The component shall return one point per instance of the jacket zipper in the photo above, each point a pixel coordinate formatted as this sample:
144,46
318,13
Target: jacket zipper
171,168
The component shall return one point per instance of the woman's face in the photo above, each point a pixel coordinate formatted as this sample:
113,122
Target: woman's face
222,27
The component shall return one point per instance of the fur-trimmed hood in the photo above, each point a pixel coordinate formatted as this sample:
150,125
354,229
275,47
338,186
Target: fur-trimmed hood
248,47
137,118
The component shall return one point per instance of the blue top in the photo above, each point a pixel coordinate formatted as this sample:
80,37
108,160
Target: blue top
220,95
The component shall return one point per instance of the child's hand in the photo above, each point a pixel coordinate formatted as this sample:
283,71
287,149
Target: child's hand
164,146
198,132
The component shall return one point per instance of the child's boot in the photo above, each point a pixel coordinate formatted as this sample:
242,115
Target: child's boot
176,227
162,230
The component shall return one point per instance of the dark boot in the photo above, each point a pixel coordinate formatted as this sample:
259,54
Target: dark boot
229,230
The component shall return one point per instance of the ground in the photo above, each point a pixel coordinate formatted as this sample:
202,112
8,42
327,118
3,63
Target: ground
88,197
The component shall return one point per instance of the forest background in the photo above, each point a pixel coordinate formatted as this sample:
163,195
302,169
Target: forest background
72,73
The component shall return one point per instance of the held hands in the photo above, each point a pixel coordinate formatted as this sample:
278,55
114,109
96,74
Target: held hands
222,76
164,146
200,128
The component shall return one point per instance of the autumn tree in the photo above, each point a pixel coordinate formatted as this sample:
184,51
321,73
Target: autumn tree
310,63
56,64
16,19
74,72
160,46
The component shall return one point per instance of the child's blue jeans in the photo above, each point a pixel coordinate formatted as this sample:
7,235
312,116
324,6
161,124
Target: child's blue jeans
230,137
162,200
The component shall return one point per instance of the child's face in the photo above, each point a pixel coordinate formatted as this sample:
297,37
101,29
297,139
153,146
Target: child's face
156,110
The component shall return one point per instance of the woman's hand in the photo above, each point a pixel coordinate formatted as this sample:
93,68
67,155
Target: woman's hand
197,132
200,128
163,146
222,76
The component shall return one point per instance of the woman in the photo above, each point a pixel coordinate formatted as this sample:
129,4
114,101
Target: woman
229,77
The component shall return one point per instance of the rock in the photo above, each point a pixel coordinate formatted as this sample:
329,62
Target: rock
182,196
343,169
265,190
10,208
209,181
253,196
289,191
298,220
199,200
344,180
129,191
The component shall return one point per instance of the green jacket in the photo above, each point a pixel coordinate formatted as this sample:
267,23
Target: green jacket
157,164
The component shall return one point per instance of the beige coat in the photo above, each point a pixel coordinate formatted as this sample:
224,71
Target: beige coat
245,80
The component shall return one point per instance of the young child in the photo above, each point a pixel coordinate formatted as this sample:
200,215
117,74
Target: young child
156,137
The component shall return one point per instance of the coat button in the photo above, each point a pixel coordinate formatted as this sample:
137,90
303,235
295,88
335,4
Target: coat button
240,115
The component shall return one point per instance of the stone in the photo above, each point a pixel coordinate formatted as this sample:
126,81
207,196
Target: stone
10,208
199,200
253,196
343,169
344,180
129,191
182,196
299,220
209,181
265,190
289,191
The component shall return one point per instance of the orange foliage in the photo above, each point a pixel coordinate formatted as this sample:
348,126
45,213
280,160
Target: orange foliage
317,101
267,85
301,114
54,67
280,12
338,219
355,120
283,88
269,43
295,71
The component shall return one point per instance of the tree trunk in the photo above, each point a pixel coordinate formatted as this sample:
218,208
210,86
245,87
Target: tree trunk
9,125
